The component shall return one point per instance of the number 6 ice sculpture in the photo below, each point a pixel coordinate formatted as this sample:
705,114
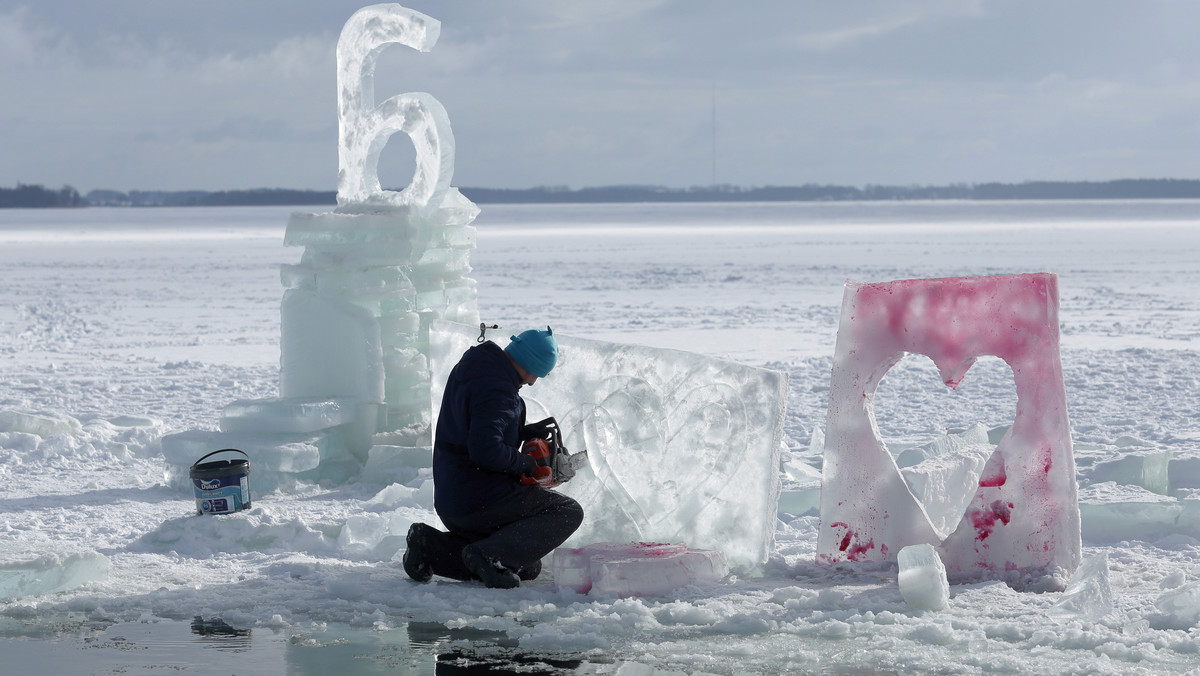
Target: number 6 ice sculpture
382,266
364,128
1023,522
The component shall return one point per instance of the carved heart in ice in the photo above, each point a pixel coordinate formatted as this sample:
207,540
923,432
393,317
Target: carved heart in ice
665,456
681,447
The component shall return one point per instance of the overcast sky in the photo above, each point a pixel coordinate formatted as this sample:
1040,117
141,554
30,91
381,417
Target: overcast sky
233,94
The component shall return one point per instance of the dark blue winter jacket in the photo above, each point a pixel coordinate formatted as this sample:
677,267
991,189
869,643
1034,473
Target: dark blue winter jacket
477,455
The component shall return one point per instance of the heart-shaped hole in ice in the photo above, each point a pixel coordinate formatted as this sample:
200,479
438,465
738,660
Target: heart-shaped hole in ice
941,438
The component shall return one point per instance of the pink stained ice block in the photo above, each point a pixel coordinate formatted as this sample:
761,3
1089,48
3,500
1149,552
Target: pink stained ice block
1024,516
635,568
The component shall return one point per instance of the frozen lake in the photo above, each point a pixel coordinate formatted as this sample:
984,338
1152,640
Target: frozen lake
136,323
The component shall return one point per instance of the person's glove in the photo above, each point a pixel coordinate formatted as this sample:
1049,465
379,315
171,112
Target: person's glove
542,475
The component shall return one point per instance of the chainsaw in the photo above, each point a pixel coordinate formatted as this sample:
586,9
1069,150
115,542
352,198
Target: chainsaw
563,464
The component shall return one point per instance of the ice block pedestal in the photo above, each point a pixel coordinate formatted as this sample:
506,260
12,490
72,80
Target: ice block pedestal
635,568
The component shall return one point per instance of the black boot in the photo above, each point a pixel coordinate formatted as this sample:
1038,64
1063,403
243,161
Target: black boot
492,573
415,562
530,571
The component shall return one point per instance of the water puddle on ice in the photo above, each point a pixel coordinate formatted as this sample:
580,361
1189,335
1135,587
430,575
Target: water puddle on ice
210,646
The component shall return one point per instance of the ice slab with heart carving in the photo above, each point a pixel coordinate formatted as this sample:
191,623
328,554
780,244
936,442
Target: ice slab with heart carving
681,447
1022,524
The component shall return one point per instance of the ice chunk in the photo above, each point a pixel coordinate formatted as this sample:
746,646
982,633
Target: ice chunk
364,127
389,498
974,435
358,284
945,484
922,578
681,447
42,425
1112,512
362,533
1184,472
380,533
386,236
330,349
635,568
276,460
389,464
1181,605
133,421
404,368
355,256
1145,468
275,453
1088,594
800,500
287,415
23,573
801,491
1023,521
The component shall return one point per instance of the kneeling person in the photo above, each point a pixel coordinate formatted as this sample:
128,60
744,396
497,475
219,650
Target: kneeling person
500,526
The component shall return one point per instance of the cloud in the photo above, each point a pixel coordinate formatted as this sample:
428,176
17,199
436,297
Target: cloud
893,17
23,42
132,94
573,15
246,129
295,58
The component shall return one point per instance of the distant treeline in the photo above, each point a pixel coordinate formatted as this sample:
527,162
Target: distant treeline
1034,190
37,196
203,198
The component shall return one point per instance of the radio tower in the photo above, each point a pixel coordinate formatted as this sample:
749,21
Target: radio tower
714,134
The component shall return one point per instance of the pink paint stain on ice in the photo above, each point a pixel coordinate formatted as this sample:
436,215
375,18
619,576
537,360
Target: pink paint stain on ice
984,520
993,475
854,551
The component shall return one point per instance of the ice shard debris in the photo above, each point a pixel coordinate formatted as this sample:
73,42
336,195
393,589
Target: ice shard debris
1181,606
1088,595
23,573
681,447
1023,520
43,425
945,484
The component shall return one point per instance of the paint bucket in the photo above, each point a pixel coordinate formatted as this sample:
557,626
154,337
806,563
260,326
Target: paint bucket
221,486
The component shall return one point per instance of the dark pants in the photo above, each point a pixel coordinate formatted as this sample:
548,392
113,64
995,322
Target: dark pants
515,531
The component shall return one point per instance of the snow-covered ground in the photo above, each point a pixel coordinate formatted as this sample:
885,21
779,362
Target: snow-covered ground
119,326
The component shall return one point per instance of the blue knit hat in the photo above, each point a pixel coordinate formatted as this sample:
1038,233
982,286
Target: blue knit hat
535,350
